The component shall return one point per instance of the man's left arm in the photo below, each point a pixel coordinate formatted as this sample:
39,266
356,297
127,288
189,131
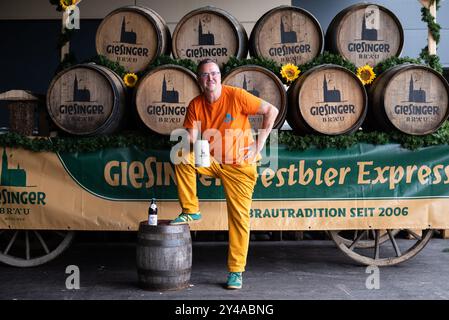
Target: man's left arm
269,113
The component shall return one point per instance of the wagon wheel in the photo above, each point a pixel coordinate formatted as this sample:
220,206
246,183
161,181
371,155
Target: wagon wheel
367,239
392,253
29,248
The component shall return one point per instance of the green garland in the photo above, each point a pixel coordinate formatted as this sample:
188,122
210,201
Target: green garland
427,17
163,60
70,60
432,60
155,141
111,65
394,61
86,144
294,142
271,65
328,58
434,28
120,70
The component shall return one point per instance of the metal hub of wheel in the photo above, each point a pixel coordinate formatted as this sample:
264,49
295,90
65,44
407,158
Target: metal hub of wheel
384,252
29,248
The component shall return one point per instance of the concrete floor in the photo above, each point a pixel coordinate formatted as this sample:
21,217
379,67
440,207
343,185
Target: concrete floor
303,270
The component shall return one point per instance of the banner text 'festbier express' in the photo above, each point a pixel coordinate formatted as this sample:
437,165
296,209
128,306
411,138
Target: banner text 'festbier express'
153,173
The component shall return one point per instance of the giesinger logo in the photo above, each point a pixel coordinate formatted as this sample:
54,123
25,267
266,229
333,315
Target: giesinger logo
13,189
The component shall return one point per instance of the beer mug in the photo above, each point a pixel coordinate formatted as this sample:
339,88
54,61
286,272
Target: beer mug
202,155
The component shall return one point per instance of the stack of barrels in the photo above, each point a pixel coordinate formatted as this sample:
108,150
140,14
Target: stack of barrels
88,99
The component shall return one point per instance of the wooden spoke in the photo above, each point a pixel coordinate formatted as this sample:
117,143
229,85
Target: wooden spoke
376,244
414,234
394,243
44,245
11,242
389,258
353,244
30,254
366,241
27,246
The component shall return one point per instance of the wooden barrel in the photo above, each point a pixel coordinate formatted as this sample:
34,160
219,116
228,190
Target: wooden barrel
365,34
133,36
410,98
22,117
87,99
327,99
162,97
209,32
287,34
163,256
264,84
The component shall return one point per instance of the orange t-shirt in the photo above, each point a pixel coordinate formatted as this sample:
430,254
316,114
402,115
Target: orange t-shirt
224,123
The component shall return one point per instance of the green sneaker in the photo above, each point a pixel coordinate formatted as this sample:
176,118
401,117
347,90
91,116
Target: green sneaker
235,280
184,218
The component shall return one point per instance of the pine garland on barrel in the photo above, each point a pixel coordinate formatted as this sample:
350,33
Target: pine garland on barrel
154,141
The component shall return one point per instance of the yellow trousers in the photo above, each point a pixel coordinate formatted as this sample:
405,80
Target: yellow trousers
238,183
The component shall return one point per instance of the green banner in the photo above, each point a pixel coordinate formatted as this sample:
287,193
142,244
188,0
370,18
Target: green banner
362,172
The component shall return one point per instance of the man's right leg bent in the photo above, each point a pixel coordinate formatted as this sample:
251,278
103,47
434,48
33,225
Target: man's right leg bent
185,173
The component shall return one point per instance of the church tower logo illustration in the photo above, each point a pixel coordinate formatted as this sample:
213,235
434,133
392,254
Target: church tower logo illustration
418,96
245,86
12,177
80,95
169,96
129,37
205,39
368,34
287,36
333,95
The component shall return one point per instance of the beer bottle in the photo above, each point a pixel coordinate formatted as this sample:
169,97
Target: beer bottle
152,213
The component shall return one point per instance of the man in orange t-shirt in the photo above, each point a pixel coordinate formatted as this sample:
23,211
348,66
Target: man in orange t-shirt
220,115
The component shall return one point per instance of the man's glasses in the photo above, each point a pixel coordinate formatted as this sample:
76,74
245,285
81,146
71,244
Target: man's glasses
206,74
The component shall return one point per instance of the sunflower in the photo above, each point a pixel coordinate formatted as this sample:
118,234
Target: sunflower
290,72
130,79
366,74
67,3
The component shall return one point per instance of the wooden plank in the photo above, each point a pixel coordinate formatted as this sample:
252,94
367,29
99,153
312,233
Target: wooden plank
445,233
18,95
418,232
21,117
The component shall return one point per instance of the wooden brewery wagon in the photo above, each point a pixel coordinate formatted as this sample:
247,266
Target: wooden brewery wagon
365,197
